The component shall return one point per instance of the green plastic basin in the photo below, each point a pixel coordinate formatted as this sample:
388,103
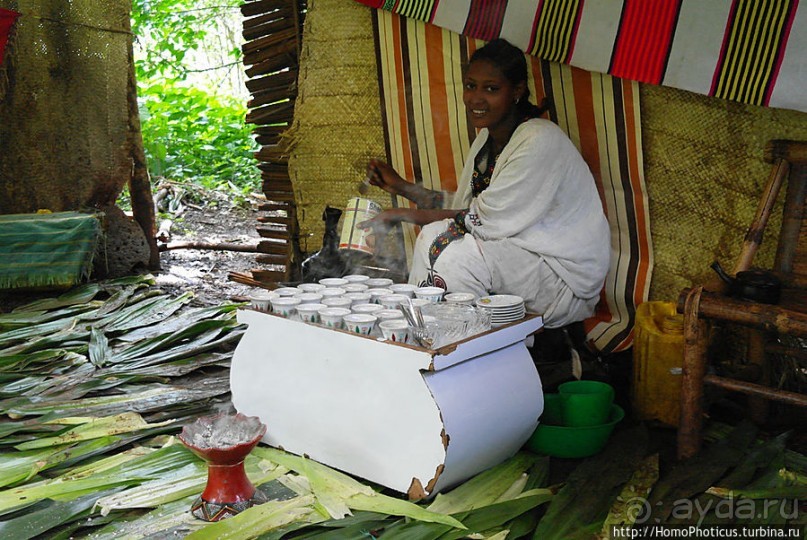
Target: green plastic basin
556,440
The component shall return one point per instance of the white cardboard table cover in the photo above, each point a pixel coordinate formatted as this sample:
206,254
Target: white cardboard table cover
404,417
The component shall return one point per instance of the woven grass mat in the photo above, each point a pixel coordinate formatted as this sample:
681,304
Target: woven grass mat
337,119
705,173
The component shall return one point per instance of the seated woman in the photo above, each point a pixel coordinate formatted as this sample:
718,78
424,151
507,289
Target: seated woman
526,218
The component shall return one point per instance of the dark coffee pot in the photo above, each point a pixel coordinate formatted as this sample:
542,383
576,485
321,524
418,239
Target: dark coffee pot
755,285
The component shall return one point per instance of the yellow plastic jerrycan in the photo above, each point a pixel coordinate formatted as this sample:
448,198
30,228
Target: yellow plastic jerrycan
658,353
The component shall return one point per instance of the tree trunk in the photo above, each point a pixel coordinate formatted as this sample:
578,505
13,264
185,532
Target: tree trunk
139,183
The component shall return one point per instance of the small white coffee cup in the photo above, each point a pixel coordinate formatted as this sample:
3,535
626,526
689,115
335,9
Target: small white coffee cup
309,298
262,300
356,278
330,292
359,323
285,306
310,287
392,301
355,287
432,294
333,281
395,330
332,316
406,289
462,298
287,291
379,282
358,298
309,312
366,308
377,293
389,314
337,301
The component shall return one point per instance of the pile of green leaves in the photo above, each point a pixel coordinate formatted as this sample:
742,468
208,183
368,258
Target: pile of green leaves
190,133
107,348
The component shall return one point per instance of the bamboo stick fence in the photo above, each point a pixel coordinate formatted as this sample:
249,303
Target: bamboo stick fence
273,32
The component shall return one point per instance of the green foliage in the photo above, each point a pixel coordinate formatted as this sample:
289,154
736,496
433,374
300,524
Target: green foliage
189,132
169,29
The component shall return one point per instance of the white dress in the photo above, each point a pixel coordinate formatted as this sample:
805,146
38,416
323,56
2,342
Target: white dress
538,231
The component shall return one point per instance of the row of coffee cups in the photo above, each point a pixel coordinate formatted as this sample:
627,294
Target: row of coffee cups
351,303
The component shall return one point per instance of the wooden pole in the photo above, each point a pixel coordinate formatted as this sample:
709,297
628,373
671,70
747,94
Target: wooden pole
753,238
694,370
224,246
139,183
765,317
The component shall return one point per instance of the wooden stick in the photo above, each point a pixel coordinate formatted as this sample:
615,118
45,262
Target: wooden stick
794,152
274,23
793,215
258,7
763,316
753,238
694,369
246,279
265,42
224,246
757,390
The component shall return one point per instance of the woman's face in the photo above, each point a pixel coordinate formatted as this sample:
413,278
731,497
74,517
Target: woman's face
489,96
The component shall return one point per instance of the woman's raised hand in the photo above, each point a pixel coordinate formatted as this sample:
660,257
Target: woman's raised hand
380,174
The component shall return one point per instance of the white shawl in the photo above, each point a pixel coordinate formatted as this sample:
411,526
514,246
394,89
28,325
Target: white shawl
542,197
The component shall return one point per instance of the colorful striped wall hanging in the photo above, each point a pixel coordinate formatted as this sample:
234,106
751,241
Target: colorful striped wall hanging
750,51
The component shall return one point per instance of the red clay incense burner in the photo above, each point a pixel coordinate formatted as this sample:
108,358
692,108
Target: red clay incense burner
224,441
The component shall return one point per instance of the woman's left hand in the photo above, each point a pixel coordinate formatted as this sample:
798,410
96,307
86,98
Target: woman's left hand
384,221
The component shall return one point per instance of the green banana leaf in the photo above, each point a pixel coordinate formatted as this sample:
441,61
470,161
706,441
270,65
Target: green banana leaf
488,486
695,475
202,332
21,466
171,520
583,503
99,350
145,398
49,515
183,366
622,512
333,484
94,428
477,521
148,311
258,520
179,321
77,295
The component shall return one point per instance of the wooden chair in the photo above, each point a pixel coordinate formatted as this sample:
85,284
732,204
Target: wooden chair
702,308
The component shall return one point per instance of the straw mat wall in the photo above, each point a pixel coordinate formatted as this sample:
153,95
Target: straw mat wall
703,156
337,121
64,118
705,173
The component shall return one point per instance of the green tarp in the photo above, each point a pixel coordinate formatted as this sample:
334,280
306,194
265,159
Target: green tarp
46,250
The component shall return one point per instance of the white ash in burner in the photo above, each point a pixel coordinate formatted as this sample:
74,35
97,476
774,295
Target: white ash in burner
223,431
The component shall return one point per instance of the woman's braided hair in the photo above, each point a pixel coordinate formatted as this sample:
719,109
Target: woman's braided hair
512,63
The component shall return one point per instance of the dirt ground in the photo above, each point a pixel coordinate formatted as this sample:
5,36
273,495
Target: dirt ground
204,272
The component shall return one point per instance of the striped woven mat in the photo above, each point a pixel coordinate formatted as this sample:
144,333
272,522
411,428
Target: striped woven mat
428,138
751,51
46,250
